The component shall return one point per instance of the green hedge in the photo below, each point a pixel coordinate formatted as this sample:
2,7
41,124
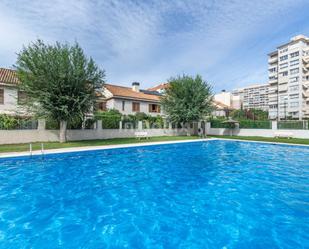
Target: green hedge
110,119
17,123
244,124
255,124
218,123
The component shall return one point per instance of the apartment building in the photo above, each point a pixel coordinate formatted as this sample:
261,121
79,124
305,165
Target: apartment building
250,97
255,97
288,68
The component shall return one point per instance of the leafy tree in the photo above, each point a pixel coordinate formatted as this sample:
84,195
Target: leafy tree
252,114
187,99
59,80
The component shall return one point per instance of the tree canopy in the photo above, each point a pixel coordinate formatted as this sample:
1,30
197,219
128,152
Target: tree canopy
60,81
187,99
253,114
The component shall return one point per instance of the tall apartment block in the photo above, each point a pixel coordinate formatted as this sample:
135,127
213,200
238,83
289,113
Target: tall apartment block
288,69
255,97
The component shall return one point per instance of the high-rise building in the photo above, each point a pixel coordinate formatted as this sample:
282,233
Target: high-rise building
255,97
288,68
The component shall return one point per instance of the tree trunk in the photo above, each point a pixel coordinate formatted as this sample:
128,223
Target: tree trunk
63,131
188,129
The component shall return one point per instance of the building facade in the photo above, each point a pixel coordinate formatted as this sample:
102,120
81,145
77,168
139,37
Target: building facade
130,100
255,97
127,100
11,98
288,69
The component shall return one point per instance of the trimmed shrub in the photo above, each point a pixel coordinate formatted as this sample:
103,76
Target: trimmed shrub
110,119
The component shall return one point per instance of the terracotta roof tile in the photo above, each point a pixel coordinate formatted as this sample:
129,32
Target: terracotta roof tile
158,87
220,105
127,92
8,76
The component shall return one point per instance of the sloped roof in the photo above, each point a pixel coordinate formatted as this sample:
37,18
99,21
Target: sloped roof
220,105
159,87
127,92
8,76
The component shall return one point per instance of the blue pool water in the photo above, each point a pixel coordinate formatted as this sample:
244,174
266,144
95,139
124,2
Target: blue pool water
215,194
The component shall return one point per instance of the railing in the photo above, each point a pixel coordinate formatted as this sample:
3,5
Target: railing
292,125
256,124
18,124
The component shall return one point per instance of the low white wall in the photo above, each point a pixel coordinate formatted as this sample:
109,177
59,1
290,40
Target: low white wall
30,136
257,132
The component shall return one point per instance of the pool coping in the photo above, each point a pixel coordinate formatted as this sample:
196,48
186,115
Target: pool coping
100,147
263,142
118,146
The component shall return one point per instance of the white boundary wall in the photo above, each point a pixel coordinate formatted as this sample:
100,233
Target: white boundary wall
256,132
30,136
42,135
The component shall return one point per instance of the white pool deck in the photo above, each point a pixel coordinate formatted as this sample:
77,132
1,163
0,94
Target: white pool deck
108,147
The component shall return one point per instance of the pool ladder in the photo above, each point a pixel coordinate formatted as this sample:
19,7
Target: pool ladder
42,149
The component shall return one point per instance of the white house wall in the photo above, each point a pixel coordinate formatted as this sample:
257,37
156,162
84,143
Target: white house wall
10,100
144,106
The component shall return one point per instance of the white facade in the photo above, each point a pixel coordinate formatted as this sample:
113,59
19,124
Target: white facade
125,106
224,98
131,100
288,69
255,97
10,101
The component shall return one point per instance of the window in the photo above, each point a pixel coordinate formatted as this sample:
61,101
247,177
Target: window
282,58
154,108
293,79
272,70
294,54
294,71
135,107
294,62
294,104
1,96
283,50
294,96
294,88
123,105
102,106
21,98
283,65
285,73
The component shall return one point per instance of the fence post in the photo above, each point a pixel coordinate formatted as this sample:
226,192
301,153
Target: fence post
140,125
41,124
99,125
207,128
274,125
170,126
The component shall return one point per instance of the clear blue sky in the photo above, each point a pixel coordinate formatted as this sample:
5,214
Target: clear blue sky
149,41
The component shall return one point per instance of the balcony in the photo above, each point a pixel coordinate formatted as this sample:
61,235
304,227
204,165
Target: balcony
283,88
273,81
273,60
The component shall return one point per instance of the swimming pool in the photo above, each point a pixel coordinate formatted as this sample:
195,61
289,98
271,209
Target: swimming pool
213,194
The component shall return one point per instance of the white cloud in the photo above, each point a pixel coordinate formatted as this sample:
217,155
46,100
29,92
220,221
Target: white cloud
147,41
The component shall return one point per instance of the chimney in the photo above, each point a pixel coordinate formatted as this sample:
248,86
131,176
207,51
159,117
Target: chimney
135,86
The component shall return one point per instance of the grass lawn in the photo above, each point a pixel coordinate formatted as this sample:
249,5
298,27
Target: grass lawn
114,141
269,139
